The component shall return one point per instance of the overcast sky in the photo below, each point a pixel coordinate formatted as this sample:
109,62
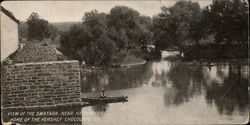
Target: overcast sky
64,11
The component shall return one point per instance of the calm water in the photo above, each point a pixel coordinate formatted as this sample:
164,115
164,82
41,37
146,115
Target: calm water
165,92
160,92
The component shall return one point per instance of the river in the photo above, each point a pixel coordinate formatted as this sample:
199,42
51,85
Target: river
170,92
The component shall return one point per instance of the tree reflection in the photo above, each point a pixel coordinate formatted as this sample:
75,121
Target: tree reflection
224,86
113,78
186,81
230,95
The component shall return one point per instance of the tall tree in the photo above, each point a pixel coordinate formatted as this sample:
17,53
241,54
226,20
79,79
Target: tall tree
133,28
88,41
37,28
228,20
100,52
177,24
53,32
73,41
123,17
96,22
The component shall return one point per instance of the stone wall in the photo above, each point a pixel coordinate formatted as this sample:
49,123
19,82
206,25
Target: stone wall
35,53
40,84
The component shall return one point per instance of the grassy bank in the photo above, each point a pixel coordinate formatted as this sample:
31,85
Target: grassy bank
129,57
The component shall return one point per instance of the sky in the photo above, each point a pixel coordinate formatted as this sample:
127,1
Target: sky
73,11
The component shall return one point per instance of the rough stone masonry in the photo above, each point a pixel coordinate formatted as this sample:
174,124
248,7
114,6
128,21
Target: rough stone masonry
40,84
35,53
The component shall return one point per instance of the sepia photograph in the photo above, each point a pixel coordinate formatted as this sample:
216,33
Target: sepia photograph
124,62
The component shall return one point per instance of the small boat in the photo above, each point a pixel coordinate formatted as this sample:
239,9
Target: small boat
105,99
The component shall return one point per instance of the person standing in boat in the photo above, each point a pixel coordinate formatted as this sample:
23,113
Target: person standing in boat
102,93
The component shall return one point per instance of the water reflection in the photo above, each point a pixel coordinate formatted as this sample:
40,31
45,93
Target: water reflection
186,81
232,94
100,109
113,79
175,85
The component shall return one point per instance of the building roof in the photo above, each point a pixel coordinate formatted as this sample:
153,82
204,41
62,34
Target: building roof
9,14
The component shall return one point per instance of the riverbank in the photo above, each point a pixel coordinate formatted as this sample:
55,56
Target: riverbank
130,60
127,61
89,69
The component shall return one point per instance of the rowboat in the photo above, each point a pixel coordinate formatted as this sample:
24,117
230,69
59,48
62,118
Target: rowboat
105,99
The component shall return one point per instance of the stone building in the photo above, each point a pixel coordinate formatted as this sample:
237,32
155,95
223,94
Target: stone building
31,75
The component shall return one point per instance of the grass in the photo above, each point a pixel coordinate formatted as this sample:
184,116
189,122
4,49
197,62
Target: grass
127,57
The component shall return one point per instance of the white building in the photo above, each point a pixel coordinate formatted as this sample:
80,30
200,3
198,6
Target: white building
9,33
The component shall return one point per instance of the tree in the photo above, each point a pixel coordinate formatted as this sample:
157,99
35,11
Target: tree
144,33
119,37
37,28
133,29
100,52
100,36
197,25
228,20
177,24
73,41
22,30
96,22
53,32
88,41
123,17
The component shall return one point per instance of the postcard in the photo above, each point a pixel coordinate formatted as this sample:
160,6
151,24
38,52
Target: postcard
125,62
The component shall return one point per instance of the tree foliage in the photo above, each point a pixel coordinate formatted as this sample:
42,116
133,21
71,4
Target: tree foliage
73,41
100,52
101,35
132,30
88,41
177,24
228,20
40,29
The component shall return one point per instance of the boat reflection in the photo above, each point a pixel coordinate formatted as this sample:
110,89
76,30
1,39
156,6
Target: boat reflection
100,109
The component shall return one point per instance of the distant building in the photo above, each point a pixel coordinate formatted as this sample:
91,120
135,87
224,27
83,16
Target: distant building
9,33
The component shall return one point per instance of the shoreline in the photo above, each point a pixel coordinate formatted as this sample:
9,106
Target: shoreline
88,69
133,64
